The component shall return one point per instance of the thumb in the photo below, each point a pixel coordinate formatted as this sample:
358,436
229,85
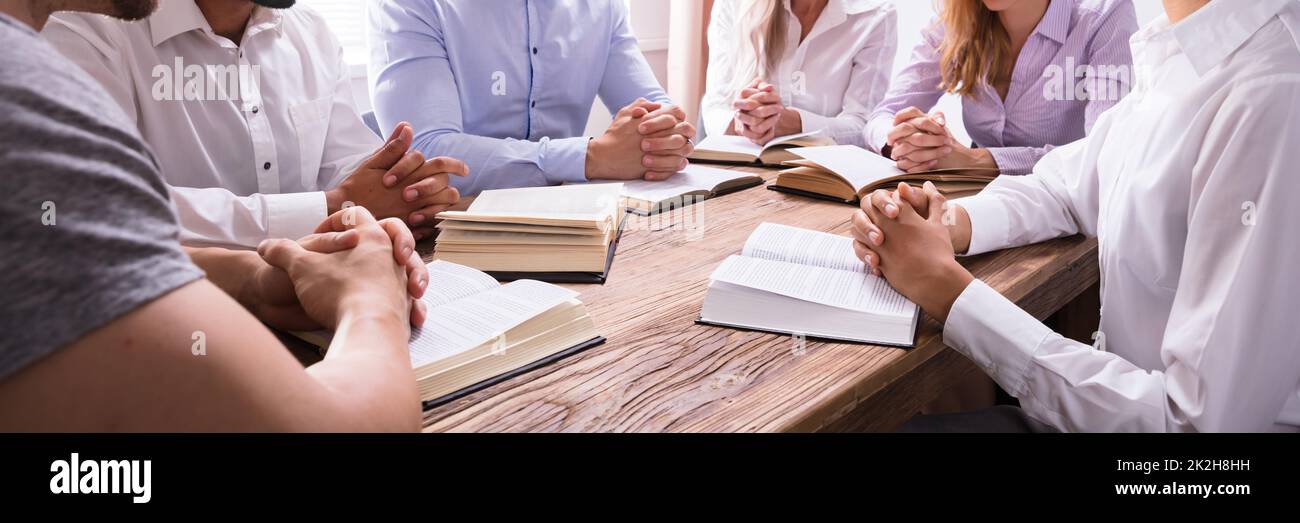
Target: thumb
940,119
938,204
393,150
912,196
281,254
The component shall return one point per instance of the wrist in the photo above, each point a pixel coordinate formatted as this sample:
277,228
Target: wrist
594,147
950,282
977,158
334,200
959,230
373,309
791,122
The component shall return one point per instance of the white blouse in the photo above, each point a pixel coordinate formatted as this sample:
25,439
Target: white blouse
1189,184
834,78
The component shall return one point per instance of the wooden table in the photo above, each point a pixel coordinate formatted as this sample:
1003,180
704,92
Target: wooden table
659,371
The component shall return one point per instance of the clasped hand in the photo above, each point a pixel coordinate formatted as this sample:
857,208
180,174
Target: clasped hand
908,237
397,182
351,264
761,116
646,140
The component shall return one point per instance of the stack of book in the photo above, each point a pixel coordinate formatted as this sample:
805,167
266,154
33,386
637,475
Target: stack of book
847,173
479,332
564,234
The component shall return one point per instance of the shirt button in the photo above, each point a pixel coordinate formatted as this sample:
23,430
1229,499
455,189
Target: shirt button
266,166
534,104
534,50
255,109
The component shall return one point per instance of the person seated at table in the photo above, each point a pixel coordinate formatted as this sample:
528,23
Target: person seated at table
249,110
109,326
1187,185
1031,74
508,87
778,67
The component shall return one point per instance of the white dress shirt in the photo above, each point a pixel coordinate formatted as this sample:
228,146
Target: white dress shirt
246,166
834,78
1189,184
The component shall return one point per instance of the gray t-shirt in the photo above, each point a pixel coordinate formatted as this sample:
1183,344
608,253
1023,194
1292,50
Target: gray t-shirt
87,233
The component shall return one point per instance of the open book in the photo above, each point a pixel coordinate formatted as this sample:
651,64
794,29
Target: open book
796,281
738,149
694,184
479,332
560,234
846,173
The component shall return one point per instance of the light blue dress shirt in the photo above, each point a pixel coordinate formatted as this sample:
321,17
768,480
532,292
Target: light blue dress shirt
506,86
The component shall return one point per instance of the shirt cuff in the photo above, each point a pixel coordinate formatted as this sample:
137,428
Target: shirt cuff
813,121
989,224
877,133
995,334
1015,161
564,160
294,215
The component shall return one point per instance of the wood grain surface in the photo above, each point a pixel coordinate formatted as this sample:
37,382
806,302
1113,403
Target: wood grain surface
659,371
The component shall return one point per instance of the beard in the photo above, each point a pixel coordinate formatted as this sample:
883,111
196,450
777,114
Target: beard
275,4
132,10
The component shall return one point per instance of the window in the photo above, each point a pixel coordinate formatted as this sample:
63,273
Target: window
347,18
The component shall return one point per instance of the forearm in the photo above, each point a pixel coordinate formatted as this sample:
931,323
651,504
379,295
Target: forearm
368,371
502,164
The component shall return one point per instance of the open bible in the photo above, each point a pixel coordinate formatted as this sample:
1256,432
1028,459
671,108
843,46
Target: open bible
694,184
738,149
479,332
796,281
846,173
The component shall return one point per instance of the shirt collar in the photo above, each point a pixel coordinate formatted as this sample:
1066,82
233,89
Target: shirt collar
853,7
1214,32
1056,21
176,17
837,11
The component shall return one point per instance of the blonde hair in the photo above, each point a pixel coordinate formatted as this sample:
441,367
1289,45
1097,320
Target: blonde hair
762,25
975,49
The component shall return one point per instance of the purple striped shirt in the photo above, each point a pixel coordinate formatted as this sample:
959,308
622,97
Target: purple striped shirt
1075,66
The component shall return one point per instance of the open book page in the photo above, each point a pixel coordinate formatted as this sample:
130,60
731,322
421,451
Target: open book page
858,166
741,145
731,145
594,202
809,137
854,291
695,178
449,282
477,319
777,242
